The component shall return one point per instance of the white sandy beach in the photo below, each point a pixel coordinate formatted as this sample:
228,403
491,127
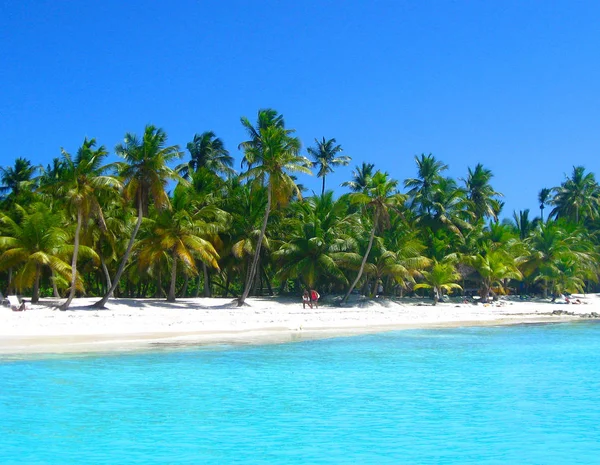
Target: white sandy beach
131,324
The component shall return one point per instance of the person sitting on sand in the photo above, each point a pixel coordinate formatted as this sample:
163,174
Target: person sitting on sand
306,300
314,297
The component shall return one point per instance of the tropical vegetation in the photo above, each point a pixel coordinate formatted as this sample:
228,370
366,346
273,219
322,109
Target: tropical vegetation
165,223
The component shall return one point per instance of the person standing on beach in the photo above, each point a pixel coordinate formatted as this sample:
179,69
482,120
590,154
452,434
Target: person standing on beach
314,297
306,299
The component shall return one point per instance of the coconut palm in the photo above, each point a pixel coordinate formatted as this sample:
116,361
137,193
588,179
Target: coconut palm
494,266
361,176
380,196
557,242
577,197
522,224
35,241
423,187
324,157
480,194
317,241
145,175
543,198
270,153
80,186
442,277
208,151
17,179
178,235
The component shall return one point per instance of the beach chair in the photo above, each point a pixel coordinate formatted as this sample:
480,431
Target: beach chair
3,301
15,305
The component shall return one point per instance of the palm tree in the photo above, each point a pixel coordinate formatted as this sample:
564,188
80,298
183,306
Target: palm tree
270,153
441,278
324,156
80,185
178,235
16,179
317,242
37,240
544,198
361,176
381,195
554,243
522,224
480,193
494,267
145,174
208,151
578,196
423,187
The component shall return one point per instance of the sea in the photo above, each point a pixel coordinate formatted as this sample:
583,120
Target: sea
526,394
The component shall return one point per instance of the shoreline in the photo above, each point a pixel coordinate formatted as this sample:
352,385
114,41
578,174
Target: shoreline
128,325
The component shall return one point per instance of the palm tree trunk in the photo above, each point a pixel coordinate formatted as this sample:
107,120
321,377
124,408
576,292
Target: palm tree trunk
106,273
54,286
206,280
198,285
185,286
74,263
171,296
364,261
252,271
323,188
101,303
9,289
158,293
269,288
35,298
227,280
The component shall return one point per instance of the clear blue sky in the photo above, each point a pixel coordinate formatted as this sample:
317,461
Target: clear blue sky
511,84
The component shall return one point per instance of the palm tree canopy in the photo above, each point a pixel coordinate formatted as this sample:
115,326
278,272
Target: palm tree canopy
145,171
423,187
271,153
325,157
208,151
15,179
577,197
361,176
480,194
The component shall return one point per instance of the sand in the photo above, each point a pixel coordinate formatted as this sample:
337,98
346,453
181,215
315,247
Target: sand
134,324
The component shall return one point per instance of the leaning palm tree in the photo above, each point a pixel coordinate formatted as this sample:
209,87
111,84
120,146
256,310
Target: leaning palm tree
577,197
324,157
145,174
80,186
381,195
270,153
208,151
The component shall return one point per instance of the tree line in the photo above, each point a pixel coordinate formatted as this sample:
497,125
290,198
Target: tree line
79,226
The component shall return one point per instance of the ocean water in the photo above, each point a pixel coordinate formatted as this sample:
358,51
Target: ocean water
521,394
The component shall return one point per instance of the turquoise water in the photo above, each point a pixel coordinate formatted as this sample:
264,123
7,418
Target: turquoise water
526,395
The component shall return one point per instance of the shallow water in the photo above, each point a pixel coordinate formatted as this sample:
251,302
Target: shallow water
521,394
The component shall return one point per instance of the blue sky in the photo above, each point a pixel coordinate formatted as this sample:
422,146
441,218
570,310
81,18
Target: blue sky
511,84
